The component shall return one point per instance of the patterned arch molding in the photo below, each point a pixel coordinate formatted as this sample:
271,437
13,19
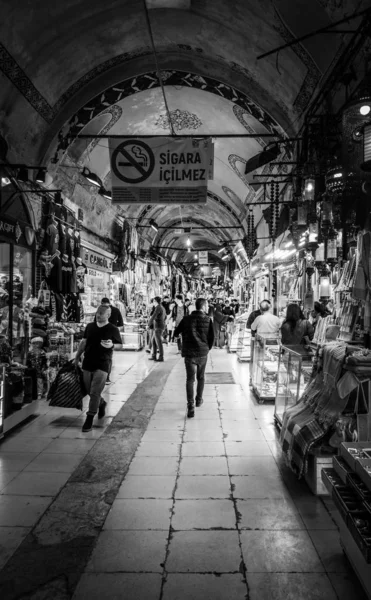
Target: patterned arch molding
148,81
239,113
116,113
177,222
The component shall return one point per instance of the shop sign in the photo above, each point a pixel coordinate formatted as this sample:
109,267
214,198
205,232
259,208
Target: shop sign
160,170
94,260
13,231
95,273
203,257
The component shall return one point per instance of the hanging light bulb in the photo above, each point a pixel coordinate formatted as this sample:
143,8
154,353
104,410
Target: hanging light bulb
365,109
40,176
188,241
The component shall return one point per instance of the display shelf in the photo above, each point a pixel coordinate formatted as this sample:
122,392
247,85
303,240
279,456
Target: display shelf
27,410
352,498
293,374
265,368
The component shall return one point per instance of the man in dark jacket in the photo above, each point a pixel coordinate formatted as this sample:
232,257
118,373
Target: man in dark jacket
115,316
198,338
158,320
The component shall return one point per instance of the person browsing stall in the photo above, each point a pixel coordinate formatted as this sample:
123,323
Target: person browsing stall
266,324
100,339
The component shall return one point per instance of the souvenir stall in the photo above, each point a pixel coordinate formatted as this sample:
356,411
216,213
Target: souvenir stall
18,388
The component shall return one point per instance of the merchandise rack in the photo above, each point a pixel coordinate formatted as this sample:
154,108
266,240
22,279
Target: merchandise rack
349,483
265,368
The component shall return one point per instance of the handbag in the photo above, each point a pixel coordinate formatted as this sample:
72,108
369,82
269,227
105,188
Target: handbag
67,390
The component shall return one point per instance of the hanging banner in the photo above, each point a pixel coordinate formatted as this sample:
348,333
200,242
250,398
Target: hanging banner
203,257
160,170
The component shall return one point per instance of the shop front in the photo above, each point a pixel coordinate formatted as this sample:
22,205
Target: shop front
97,282
17,288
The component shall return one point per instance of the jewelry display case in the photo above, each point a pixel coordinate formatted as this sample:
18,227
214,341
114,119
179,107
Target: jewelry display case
265,367
294,372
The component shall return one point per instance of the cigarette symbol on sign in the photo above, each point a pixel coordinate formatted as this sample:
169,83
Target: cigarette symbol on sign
133,161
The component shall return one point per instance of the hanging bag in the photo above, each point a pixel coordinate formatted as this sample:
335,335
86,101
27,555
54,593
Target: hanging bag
67,390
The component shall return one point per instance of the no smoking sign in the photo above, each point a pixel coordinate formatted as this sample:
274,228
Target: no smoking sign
133,161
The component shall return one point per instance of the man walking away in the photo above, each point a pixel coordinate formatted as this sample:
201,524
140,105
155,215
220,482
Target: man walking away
100,339
178,313
197,340
158,320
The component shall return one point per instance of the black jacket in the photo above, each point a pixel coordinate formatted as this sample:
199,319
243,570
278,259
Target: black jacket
197,334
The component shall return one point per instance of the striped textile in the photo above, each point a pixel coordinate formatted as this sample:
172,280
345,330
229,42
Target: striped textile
67,389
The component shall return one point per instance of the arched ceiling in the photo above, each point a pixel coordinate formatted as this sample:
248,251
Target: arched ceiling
82,67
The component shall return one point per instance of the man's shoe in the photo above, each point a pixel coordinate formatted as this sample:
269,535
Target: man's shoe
102,409
108,381
151,358
190,411
148,351
159,359
88,425
199,402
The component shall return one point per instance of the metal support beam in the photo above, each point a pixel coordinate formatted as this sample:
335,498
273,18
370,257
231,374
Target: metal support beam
186,135
316,32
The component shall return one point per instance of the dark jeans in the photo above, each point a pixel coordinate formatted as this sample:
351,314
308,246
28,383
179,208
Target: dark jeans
195,367
157,343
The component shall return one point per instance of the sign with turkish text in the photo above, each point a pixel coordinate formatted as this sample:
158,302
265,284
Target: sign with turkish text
203,257
160,170
94,260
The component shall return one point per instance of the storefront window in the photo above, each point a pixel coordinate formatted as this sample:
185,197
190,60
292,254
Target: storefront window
22,291
4,288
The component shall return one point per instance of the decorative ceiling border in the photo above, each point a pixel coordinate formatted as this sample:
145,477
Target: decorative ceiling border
149,80
12,70
313,75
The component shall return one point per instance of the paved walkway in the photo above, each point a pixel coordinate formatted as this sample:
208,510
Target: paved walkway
202,508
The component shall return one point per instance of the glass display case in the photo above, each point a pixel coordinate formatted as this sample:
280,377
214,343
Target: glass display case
294,372
265,367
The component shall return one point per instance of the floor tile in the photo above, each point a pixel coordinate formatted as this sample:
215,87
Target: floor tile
214,434
162,436
133,551
24,444
279,551
253,486
255,465
165,424
10,538
313,513
139,514
327,544
347,586
158,449
50,463
142,486
145,586
204,552
203,465
205,514
268,514
204,587
203,449
290,586
6,477
22,511
36,484
203,486
70,446
258,448
242,433
166,465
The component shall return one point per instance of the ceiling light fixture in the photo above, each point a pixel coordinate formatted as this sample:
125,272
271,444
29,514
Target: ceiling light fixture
105,193
365,109
222,249
5,181
154,225
188,241
366,165
91,177
40,175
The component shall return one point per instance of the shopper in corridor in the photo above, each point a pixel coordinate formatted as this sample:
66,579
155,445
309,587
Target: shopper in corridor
100,339
266,324
198,338
158,320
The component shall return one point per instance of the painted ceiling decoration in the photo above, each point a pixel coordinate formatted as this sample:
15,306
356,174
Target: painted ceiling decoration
147,81
180,119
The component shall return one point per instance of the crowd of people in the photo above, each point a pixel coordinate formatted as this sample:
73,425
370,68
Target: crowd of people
166,314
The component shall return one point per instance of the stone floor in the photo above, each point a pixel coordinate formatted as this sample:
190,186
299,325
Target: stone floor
203,508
